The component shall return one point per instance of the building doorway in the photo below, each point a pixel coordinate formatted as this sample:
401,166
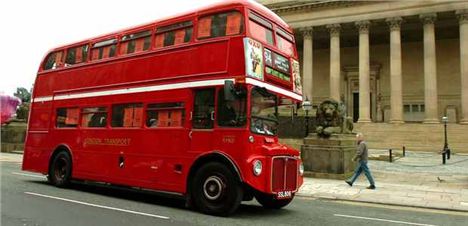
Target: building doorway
351,97
355,106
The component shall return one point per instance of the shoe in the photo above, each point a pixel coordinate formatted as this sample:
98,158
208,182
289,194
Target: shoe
371,187
349,183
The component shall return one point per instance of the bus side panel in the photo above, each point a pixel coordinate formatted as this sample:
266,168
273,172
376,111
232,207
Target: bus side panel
36,154
37,148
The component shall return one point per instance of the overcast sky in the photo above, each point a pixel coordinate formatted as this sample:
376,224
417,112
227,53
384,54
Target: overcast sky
30,28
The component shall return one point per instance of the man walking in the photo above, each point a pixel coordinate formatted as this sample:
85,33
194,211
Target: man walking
361,155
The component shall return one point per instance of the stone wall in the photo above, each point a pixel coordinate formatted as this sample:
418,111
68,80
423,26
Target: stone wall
414,136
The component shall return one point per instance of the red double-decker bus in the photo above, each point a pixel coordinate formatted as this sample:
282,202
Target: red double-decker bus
186,105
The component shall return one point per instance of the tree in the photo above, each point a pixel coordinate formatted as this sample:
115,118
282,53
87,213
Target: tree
23,94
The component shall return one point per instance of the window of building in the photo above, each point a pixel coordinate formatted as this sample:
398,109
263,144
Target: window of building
260,29
232,113
94,117
165,115
413,112
136,42
221,24
53,60
127,115
67,117
175,34
104,49
76,55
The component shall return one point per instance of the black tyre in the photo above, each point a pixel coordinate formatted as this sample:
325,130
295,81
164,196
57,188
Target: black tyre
216,190
270,202
60,170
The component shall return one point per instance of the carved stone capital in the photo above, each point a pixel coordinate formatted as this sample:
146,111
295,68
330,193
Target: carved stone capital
429,18
306,31
334,29
394,23
363,26
462,16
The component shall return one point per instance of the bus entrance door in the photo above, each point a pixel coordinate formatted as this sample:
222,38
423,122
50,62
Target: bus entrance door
203,115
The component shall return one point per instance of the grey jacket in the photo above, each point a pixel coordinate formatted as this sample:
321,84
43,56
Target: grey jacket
361,152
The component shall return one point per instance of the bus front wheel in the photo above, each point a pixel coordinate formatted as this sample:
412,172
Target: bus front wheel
60,170
216,190
269,201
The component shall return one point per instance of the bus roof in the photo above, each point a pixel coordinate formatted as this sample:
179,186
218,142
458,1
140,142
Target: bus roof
224,4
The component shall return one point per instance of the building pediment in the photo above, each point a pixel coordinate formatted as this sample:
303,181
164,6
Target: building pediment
297,6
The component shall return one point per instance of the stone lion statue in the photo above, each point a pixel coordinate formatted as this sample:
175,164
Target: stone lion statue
331,118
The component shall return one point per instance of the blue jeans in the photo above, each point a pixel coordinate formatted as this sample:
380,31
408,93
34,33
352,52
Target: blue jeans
362,166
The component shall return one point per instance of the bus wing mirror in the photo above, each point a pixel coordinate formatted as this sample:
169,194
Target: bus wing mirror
229,90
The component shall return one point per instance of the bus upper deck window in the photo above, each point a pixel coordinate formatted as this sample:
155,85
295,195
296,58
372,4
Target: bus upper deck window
261,29
174,34
285,42
136,42
104,49
76,55
53,60
221,24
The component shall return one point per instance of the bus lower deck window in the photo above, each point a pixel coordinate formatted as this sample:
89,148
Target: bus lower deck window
67,117
94,117
127,115
165,115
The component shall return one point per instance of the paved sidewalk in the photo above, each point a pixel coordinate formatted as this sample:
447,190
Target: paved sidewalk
417,180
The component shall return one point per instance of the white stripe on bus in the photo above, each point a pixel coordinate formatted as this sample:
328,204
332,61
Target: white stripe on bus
273,88
166,87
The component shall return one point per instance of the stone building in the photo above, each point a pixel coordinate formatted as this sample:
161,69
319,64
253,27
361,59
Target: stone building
399,66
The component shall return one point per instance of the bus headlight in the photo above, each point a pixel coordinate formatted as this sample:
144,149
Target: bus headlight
301,169
257,167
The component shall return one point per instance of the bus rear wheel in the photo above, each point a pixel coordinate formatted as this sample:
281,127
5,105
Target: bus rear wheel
216,190
270,202
60,170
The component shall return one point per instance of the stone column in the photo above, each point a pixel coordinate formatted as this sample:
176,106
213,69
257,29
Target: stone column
463,18
396,93
335,65
364,68
307,63
430,69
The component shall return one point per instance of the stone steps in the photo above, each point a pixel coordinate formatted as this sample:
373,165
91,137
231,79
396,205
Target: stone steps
415,137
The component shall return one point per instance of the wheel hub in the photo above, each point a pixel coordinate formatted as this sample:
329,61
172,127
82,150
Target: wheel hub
213,187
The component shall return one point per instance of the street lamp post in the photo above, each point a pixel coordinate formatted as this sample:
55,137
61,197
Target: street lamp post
307,106
446,150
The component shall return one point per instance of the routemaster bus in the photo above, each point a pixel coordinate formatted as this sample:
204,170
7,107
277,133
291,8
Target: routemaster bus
186,105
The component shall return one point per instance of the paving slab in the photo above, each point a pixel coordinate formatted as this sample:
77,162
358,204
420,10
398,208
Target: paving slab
417,180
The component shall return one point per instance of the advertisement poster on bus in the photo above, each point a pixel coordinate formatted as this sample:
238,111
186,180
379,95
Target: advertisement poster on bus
296,77
253,58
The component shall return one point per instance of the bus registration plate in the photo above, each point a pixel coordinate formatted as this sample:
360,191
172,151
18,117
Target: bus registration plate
284,195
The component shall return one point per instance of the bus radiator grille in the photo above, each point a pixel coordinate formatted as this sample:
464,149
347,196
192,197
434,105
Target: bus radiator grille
284,174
